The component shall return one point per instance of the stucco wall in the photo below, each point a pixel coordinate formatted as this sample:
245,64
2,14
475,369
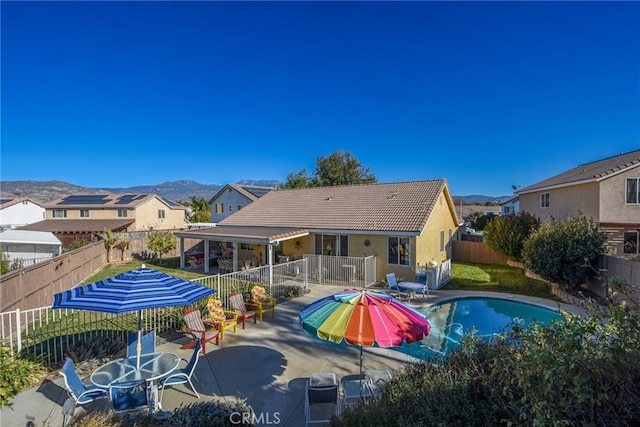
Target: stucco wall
613,206
147,217
563,202
231,200
21,214
428,244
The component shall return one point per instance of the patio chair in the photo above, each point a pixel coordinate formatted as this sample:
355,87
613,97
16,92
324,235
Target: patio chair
129,396
183,375
79,392
377,378
355,389
321,401
236,301
231,322
197,327
261,307
148,343
394,288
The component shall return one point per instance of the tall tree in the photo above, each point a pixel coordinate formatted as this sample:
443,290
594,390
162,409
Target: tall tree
338,168
201,210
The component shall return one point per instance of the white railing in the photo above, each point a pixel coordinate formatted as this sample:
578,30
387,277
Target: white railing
49,333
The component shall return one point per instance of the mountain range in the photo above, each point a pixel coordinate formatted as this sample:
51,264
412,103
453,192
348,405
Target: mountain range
182,190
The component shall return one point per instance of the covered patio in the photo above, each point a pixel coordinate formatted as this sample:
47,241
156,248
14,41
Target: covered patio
264,237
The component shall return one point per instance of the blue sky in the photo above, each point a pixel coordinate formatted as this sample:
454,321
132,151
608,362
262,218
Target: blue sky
484,94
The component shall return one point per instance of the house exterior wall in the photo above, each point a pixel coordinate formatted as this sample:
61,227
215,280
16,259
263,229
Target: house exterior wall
613,206
428,243
20,214
510,208
230,200
563,202
147,218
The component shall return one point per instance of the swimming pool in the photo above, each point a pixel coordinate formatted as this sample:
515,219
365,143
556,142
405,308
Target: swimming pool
452,319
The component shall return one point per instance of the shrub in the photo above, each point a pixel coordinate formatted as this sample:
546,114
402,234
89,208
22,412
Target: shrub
583,370
16,374
507,234
162,243
562,251
200,414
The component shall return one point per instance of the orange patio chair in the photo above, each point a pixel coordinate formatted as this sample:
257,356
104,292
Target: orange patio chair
236,301
197,327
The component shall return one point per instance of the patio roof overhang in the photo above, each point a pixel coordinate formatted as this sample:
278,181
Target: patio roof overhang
244,234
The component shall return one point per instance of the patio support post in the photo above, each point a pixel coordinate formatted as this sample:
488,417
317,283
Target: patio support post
182,252
205,260
270,258
235,255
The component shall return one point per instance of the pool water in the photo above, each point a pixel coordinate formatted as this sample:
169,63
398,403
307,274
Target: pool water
452,319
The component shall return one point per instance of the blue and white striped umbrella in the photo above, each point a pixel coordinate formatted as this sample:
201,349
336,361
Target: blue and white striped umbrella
134,290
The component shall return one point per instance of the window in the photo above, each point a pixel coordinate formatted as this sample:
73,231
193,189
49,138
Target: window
161,213
59,213
442,241
229,208
633,190
332,245
630,245
84,213
239,207
122,213
219,208
246,247
398,251
544,200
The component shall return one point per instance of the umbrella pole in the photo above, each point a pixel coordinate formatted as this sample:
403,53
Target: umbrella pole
139,343
360,372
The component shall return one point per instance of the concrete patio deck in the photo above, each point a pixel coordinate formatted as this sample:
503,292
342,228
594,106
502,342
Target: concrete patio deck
267,364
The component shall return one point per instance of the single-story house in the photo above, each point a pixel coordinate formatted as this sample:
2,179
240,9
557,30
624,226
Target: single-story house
405,225
29,246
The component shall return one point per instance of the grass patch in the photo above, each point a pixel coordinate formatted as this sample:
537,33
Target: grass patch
496,278
168,265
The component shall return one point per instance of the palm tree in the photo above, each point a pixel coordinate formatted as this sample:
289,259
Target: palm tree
110,240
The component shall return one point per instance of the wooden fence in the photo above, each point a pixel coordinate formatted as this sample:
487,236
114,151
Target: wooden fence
476,252
34,286
629,271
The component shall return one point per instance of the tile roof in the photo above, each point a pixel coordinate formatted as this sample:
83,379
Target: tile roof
112,201
78,225
251,192
5,203
398,206
589,172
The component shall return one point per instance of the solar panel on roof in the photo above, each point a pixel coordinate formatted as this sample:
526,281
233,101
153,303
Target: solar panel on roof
140,196
3,201
169,202
126,199
88,199
258,192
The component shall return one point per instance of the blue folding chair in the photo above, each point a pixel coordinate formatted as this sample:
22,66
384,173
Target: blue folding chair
79,392
183,375
148,343
129,396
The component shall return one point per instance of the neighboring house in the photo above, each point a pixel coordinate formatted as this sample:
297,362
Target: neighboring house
30,247
232,197
20,211
606,190
86,216
511,206
403,224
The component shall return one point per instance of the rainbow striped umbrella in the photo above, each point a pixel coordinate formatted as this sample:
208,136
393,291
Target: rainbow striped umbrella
364,318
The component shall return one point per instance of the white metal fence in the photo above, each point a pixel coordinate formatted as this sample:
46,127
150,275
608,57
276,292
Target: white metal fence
340,270
49,334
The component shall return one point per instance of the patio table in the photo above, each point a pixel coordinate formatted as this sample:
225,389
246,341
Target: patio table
153,366
354,390
413,287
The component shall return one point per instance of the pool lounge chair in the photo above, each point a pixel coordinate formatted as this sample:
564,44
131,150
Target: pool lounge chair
321,399
377,378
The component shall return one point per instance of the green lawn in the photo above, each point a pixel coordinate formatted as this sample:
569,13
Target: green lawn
170,266
496,278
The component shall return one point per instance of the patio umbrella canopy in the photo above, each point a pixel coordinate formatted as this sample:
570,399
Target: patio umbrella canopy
363,318
134,290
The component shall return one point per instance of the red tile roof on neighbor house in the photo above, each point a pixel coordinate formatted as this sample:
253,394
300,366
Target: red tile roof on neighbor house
78,225
396,207
589,172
